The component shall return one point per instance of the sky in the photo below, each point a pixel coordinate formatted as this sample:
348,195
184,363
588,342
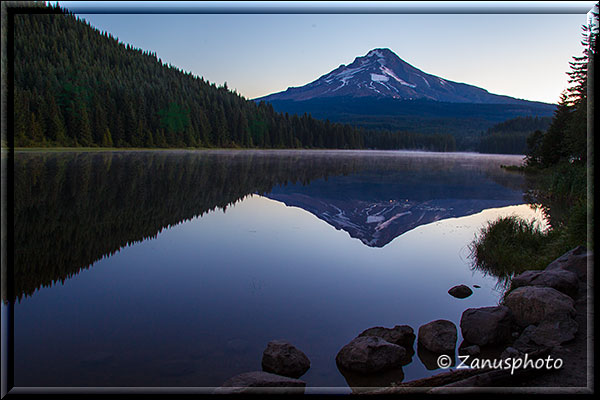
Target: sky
523,55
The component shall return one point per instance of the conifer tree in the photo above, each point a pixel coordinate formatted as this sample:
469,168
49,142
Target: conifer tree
566,138
107,138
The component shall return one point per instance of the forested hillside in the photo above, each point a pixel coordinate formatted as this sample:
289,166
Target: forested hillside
76,86
510,137
464,121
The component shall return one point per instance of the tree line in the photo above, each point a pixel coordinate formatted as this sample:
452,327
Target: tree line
566,137
75,86
561,158
510,136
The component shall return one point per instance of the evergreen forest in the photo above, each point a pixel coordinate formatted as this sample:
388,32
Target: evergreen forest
510,136
75,86
559,169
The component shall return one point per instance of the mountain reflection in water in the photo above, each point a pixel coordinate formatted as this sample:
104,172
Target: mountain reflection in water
72,209
376,206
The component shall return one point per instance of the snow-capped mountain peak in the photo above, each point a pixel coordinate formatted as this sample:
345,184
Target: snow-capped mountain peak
382,74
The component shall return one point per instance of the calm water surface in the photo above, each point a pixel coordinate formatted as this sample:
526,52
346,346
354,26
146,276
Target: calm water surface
177,268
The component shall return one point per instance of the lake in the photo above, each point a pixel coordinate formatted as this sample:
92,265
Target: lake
176,268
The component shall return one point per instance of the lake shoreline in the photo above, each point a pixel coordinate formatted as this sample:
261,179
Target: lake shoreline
231,149
572,376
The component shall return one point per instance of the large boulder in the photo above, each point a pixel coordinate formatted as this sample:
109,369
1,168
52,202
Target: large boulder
532,304
555,330
261,382
282,358
438,336
486,325
560,279
368,354
575,261
402,335
460,291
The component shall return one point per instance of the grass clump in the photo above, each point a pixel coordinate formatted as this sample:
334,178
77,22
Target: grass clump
510,245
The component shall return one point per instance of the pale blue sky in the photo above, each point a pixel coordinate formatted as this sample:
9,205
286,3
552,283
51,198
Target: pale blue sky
520,55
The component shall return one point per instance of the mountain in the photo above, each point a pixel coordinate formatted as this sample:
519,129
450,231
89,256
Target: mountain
381,91
380,74
75,86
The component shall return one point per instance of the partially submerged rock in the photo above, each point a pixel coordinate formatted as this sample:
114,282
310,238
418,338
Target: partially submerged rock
532,304
369,354
560,279
282,358
261,382
486,325
460,291
438,336
402,335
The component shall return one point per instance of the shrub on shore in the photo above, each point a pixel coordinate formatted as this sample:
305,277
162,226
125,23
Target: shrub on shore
510,245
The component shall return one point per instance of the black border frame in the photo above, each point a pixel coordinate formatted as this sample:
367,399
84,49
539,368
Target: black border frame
9,9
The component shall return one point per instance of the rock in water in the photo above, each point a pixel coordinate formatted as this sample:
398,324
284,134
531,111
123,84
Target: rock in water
532,304
438,336
256,382
282,358
486,325
460,291
368,354
402,335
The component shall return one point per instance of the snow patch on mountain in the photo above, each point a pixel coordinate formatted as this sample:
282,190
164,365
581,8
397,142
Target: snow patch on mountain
372,219
379,78
375,52
385,224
